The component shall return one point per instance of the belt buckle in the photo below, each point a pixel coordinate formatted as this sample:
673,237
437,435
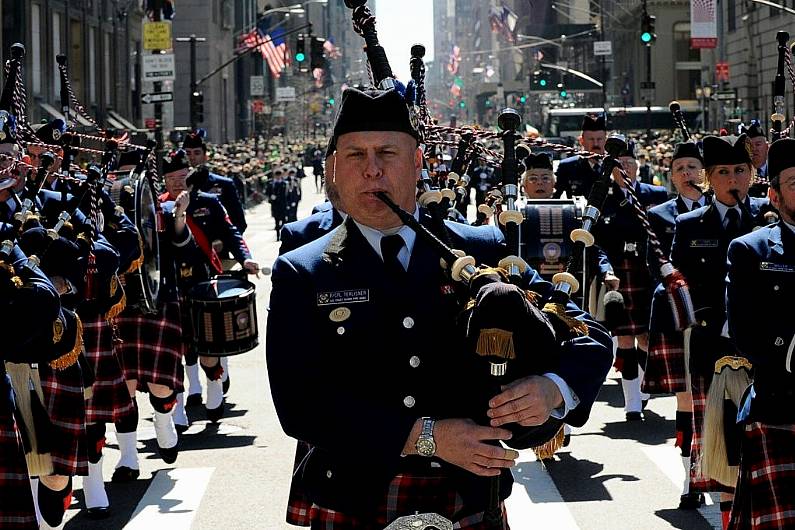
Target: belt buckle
631,247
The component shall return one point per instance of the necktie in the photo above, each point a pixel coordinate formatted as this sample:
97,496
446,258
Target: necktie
390,247
732,223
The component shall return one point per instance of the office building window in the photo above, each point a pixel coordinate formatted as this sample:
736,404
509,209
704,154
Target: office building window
35,47
731,17
92,65
687,63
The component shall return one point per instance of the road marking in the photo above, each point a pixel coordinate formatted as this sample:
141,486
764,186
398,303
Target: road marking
538,499
172,499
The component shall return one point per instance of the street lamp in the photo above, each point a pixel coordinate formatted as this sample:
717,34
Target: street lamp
704,94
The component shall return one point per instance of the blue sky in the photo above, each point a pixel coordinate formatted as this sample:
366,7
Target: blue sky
400,24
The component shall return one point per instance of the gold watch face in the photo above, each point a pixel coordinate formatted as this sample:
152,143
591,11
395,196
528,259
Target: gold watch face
426,446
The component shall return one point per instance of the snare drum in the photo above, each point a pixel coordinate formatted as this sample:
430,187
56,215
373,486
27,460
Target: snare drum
545,243
224,316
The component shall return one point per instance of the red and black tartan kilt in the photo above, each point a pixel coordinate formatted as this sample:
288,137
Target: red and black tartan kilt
64,398
665,368
299,507
16,500
110,400
152,346
699,483
765,498
636,288
408,494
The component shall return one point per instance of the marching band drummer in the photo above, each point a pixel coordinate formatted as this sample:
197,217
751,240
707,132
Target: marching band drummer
384,293
209,225
762,275
699,250
665,370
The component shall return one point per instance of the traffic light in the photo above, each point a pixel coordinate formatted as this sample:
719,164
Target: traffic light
540,81
331,102
316,59
197,107
647,35
522,99
562,92
462,104
300,53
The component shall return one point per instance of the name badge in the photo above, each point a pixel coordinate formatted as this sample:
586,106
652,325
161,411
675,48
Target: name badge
201,212
704,243
350,296
776,267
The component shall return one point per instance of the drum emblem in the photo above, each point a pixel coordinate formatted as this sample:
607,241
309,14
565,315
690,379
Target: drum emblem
340,314
242,321
551,251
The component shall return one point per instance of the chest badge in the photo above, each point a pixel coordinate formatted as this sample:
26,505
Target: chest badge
339,314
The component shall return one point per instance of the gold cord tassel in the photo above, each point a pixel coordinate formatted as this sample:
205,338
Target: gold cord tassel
547,450
135,265
68,359
114,311
575,326
495,342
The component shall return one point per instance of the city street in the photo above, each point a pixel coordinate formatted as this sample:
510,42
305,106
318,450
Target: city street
614,475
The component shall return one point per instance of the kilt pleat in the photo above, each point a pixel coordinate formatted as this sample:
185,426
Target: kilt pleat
110,401
64,398
665,368
764,498
16,500
636,288
152,346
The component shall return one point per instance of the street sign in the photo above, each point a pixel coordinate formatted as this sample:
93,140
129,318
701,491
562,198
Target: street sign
257,85
157,97
284,94
602,47
278,113
159,67
157,35
647,85
724,96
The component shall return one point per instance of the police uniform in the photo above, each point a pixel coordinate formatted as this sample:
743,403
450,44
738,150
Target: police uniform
350,303
576,175
760,286
276,190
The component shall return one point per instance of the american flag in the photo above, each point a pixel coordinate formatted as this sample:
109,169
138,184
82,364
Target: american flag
273,48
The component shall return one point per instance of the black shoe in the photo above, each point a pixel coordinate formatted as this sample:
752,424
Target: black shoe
181,428
226,384
691,501
53,504
214,415
194,400
101,512
125,474
169,455
634,416
566,440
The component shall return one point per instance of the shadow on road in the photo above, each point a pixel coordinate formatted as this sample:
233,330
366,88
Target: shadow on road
684,519
123,498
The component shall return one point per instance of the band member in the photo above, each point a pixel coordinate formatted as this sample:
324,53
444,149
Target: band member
576,174
538,180
666,371
759,147
196,148
623,238
483,179
699,250
276,190
213,234
762,275
293,195
321,394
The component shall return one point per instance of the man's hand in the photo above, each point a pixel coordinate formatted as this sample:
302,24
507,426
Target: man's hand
460,442
611,281
181,203
528,402
251,266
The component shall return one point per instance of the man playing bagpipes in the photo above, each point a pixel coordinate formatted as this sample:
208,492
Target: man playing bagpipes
381,388
576,174
760,287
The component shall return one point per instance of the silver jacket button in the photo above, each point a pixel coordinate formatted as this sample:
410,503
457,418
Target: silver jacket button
408,322
329,474
340,330
414,361
409,401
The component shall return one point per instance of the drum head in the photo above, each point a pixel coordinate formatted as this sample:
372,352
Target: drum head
222,288
146,221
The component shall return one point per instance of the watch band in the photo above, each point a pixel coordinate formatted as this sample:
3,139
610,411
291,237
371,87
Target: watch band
427,427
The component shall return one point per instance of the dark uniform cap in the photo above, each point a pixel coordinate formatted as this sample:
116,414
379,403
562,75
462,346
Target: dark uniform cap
539,161
617,145
594,123
726,150
52,132
754,130
175,161
780,156
687,150
194,139
129,158
8,128
371,110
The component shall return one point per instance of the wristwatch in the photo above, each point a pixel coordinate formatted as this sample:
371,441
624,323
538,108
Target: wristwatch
426,445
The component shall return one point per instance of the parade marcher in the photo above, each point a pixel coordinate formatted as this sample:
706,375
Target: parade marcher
576,174
213,234
293,194
196,148
666,371
623,238
757,136
699,250
276,190
761,274
482,178
322,396
538,180
317,168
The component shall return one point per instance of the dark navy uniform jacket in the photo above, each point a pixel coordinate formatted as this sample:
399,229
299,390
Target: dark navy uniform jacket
575,176
298,233
378,354
178,263
699,251
207,212
225,189
760,289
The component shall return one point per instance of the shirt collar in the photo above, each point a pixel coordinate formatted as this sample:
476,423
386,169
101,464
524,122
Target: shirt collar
723,208
791,226
373,237
689,202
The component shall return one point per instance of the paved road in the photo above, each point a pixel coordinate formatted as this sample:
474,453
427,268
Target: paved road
614,475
